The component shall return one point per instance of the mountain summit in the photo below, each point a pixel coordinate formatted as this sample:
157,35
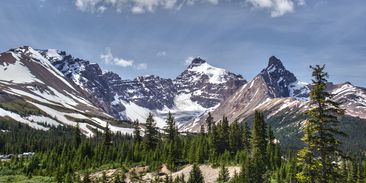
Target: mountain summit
196,62
199,88
56,88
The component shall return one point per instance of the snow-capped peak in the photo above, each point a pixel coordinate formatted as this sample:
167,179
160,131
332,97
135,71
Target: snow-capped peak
53,54
201,67
196,62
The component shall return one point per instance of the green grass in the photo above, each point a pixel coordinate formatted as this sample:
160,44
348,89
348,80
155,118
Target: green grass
24,179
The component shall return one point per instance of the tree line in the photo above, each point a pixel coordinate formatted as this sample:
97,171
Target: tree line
222,143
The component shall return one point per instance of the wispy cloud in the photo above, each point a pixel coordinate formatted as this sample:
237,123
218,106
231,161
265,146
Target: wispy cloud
141,66
161,54
188,60
276,7
109,59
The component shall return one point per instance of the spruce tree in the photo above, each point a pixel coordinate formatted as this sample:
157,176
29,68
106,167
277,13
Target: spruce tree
235,140
195,176
271,148
202,130
223,174
246,137
107,135
151,137
137,132
209,122
307,161
171,129
172,133
322,132
77,135
259,146
224,135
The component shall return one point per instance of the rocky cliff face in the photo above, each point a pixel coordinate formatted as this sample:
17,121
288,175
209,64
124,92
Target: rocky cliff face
199,88
35,92
55,88
275,91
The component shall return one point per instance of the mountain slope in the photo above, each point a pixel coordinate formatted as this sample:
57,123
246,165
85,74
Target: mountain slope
283,99
34,92
52,87
201,87
272,82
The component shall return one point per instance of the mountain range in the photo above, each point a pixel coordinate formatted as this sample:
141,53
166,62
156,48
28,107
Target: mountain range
50,87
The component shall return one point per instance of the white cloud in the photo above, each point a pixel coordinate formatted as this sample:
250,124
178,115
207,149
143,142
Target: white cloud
141,66
161,54
276,7
188,60
301,2
135,6
108,58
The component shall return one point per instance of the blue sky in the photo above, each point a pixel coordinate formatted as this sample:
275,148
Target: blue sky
139,37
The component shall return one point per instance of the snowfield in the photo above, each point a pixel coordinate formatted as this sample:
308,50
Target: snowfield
17,117
216,75
16,73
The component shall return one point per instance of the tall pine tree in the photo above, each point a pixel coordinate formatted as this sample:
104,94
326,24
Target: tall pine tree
151,137
137,132
107,135
209,122
246,137
322,133
259,147
195,176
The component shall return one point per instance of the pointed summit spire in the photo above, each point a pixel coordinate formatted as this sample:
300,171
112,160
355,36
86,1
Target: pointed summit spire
274,62
196,62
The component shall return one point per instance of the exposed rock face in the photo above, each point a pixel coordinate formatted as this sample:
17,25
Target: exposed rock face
42,94
272,82
207,84
352,98
66,90
199,88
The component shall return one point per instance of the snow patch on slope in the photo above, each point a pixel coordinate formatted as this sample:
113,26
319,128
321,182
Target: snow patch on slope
43,119
52,54
183,102
16,73
216,75
37,57
18,118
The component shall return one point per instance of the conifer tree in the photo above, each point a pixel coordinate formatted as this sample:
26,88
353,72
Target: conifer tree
202,130
307,161
209,123
151,137
223,174
235,140
246,137
259,146
77,135
195,176
172,140
224,135
171,128
322,133
107,135
271,149
137,132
